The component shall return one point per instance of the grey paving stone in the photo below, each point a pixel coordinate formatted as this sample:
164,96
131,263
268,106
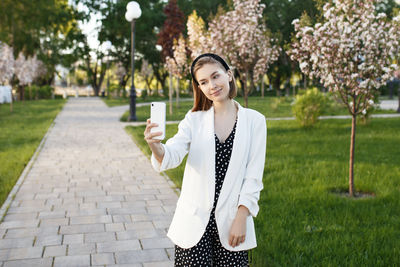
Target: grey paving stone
25,253
118,246
91,219
122,218
80,249
16,243
86,212
19,224
72,261
159,264
171,253
161,223
82,228
52,251
114,227
103,258
32,231
139,234
141,256
139,225
20,216
73,239
49,240
44,262
51,214
126,265
54,221
100,237
149,243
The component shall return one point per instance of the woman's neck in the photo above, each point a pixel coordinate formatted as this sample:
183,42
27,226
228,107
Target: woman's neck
224,108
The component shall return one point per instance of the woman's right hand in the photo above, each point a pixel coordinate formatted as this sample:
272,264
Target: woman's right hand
154,144
148,135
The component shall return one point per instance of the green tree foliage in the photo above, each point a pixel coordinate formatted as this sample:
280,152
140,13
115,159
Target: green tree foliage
47,28
279,15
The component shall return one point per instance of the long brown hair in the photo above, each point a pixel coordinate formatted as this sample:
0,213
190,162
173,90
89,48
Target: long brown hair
201,102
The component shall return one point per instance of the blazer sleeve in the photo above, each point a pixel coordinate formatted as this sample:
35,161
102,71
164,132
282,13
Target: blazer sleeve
176,147
252,183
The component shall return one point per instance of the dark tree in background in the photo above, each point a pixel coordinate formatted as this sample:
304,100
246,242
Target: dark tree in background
174,25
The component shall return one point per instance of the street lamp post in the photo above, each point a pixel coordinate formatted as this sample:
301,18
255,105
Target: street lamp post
107,47
133,12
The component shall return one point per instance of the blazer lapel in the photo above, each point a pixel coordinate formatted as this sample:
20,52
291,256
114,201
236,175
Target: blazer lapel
238,152
209,153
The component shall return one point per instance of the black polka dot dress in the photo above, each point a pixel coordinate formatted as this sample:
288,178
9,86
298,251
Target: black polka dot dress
209,251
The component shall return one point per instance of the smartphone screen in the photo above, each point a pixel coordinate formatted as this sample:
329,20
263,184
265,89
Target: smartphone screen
157,115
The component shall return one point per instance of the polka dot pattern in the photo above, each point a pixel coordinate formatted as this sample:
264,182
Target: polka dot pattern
209,251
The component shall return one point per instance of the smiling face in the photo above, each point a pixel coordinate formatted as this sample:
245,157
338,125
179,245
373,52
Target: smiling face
214,81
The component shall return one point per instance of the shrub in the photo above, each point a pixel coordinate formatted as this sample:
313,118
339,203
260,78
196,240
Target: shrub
40,92
45,92
308,106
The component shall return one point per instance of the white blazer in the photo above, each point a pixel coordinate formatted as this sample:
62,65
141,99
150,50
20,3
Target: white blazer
241,186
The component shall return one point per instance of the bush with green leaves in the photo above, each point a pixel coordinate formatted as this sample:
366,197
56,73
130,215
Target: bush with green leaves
308,106
40,92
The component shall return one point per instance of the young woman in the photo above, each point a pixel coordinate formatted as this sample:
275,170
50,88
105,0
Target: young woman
213,221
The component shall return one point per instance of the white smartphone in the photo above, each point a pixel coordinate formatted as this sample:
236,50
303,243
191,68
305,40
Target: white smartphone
157,115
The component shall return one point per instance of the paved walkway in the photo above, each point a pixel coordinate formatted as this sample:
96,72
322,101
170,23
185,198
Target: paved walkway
91,198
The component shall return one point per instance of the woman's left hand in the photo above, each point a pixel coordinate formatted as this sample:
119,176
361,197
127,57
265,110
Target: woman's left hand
237,233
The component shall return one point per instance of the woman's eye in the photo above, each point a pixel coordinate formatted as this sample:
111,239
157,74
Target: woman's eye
216,76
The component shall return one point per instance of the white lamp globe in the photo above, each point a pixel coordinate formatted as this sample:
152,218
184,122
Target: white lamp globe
132,5
133,11
128,16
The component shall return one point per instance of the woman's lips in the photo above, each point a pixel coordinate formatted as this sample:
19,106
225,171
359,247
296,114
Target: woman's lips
216,92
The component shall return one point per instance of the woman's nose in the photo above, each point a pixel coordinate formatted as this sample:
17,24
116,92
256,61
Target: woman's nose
212,84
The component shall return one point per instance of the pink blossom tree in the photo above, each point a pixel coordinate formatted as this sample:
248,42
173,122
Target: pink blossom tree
6,63
172,68
23,73
198,36
122,76
177,66
242,37
180,56
146,72
7,69
351,52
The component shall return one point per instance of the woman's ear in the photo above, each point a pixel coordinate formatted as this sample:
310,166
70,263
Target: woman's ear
230,74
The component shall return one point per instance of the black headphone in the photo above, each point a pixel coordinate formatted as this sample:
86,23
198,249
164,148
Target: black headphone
214,56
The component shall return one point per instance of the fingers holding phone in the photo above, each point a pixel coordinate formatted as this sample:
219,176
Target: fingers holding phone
149,134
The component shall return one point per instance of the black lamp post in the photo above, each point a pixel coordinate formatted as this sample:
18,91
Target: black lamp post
133,12
107,47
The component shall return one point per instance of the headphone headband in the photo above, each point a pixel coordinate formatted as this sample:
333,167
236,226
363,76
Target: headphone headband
214,56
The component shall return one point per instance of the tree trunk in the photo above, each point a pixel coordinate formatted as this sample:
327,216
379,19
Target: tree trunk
170,94
262,86
352,145
177,93
246,104
398,95
278,84
12,100
287,87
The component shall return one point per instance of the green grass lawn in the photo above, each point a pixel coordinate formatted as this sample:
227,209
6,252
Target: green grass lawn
20,133
271,107
301,222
